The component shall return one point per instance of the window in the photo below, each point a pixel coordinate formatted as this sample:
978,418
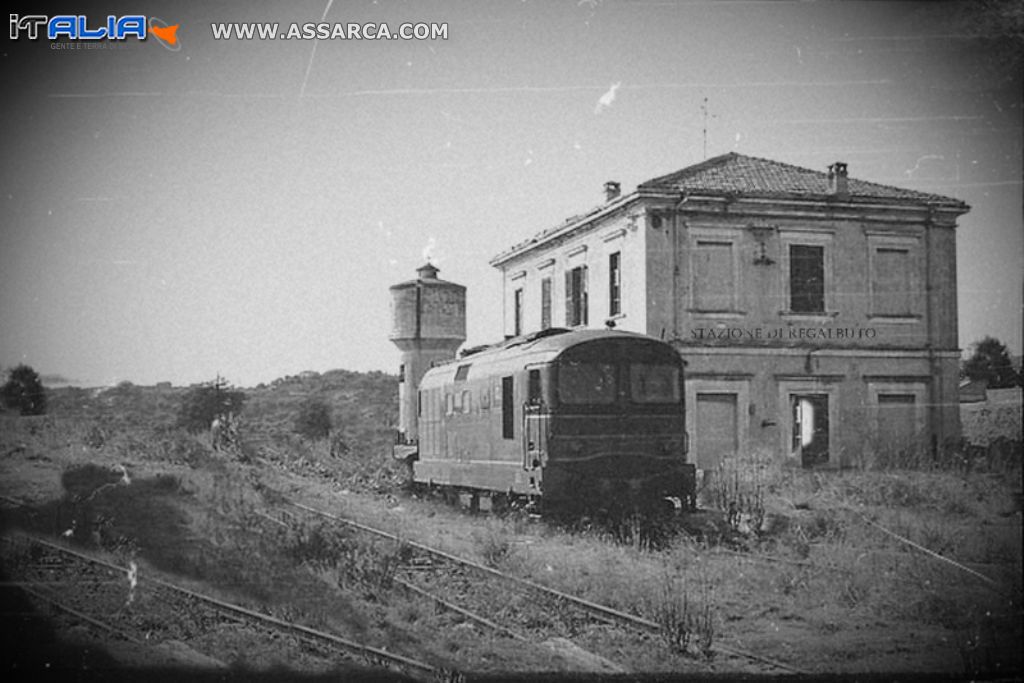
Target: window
518,305
714,280
462,372
649,383
892,286
615,283
587,383
806,278
545,303
533,390
508,422
576,296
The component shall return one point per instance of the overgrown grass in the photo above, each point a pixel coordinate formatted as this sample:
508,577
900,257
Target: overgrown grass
826,560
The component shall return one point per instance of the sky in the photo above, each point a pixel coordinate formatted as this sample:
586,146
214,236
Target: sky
240,207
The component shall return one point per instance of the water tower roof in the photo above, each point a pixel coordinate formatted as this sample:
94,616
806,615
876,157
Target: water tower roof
427,273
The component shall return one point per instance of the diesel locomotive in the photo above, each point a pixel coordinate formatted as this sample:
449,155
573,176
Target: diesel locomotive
572,420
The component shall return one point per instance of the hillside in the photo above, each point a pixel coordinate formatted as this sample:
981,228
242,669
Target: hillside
363,408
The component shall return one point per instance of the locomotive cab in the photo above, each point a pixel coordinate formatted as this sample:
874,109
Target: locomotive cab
617,429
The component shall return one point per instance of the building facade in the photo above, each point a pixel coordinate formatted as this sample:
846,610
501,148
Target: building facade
816,312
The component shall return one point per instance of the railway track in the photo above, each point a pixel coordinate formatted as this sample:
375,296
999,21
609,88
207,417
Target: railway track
150,611
516,608
524,610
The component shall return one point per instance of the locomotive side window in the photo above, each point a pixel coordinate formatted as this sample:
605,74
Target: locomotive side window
508,422
485,399
650,383
587,383
467,401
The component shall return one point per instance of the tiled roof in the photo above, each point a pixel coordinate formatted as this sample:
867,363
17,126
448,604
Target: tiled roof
739,175
742,175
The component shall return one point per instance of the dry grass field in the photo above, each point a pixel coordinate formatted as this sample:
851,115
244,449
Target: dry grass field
884,570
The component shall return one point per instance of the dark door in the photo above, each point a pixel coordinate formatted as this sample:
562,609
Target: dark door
716,428
535,435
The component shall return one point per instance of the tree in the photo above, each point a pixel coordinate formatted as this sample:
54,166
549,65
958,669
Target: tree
314,419
991,361
200,405
24,391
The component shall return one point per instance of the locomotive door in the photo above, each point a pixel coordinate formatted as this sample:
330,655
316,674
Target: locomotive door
535,436
536,425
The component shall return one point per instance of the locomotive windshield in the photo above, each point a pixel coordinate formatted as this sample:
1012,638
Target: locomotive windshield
587,383
590,383
649,383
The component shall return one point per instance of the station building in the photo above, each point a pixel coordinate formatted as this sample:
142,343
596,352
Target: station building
816,312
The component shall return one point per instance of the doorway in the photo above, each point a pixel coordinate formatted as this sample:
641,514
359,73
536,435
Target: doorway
810,429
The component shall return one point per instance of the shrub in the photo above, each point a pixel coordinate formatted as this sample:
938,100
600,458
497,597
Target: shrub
314,420
202,404
24,391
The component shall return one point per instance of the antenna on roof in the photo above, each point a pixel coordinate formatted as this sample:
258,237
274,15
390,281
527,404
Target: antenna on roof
704,131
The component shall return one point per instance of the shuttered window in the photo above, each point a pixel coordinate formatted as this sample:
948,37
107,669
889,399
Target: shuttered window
891,288
545,303
518,313
806,278
714,280
576,296
615,283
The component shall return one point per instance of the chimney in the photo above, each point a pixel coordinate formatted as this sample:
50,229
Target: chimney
837,181
612,189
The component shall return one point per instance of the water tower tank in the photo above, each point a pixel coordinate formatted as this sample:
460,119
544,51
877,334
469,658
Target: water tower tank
428,318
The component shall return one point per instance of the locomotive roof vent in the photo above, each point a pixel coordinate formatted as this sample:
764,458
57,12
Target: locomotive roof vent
534,336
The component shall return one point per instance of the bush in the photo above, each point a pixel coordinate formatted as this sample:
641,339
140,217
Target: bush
202,404
24,391
314,420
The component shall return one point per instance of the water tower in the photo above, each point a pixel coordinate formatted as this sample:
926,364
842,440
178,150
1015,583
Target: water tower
429,323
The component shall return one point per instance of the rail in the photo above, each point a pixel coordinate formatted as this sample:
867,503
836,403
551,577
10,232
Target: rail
631,620
367,652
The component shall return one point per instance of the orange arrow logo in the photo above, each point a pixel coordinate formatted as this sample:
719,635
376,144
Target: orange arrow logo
168,34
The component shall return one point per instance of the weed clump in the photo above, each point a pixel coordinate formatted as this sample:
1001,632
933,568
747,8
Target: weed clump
351,561
494,546
686,620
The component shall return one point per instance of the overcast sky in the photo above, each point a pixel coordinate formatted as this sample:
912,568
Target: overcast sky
241,207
